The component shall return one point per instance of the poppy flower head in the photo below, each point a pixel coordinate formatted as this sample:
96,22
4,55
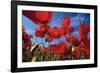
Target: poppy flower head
26,39
44,28
85,50
54,32
83,31
69,30
63,45
66,22
76,53
55,49
59,49
24,35
86,43
43,16
73,40
61,32
38,17
38,33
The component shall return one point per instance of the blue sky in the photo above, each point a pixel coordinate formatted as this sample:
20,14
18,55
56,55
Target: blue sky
56,21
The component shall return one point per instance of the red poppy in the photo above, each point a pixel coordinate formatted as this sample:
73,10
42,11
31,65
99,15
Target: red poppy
30,36
54,49
83,31
26,44
86,42
23,45
26,39
63,45
24,35
44,28
54,32
59,49
61,32
43,16
65,48
73,40
39,17
85,50
85,26
66,22
61,53
38,33
69,30
76,53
